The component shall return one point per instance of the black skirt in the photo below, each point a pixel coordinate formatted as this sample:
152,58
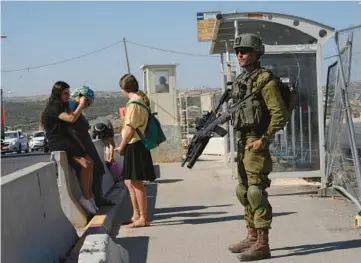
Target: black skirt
138,163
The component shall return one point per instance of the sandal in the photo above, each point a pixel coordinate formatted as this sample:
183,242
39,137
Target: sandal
133,219
140,222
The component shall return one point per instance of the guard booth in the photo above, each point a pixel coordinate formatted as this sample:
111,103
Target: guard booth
293,51
159,82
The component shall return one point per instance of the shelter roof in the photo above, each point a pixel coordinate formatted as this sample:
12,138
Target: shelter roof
273,28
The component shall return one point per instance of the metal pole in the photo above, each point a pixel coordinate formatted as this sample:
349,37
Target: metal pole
224,108
320,109
301,118
231,131
126,54
351,129
236,33
309,126
2,113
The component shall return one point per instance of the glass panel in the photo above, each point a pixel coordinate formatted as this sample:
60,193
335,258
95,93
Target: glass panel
296,148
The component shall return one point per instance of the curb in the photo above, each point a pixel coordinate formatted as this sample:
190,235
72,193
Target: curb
97,230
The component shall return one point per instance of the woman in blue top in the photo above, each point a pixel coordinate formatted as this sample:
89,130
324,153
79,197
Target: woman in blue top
81,127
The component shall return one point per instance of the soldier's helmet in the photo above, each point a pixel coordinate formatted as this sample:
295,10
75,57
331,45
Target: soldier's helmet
249,42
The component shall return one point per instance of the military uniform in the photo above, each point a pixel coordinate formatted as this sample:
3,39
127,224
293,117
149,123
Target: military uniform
259,118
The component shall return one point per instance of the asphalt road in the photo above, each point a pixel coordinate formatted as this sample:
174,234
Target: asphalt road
13,162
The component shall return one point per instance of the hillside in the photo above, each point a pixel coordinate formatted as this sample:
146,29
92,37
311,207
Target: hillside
24,113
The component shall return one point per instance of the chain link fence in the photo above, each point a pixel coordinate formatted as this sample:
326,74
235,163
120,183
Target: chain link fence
342,116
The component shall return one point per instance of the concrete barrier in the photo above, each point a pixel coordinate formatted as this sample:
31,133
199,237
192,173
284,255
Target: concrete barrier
215,146
40,209
34,228
69,190
69,185
100,248
108,179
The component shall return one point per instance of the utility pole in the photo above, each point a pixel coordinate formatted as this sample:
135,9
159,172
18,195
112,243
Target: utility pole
126,54
2,114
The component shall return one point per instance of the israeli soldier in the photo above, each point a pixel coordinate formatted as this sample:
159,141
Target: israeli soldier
260,117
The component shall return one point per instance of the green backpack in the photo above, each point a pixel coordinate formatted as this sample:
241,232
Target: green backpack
153,134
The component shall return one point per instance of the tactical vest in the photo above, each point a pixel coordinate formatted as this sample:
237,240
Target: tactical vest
253,115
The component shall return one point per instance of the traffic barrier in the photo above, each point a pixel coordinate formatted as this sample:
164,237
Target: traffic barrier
34,227
40,209
100,248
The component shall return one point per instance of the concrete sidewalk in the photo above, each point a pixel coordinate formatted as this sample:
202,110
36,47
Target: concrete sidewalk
195,215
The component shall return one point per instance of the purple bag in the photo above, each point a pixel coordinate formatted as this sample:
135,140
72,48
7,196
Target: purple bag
116,170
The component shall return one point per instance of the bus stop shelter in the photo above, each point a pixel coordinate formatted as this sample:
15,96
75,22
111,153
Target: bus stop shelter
293,50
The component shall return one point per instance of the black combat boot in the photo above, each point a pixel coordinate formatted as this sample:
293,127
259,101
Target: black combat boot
260,250
245,244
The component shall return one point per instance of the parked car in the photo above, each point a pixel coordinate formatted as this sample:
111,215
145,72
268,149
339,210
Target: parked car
14,141
38,141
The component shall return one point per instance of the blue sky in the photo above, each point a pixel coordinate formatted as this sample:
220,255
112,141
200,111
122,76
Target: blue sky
44,32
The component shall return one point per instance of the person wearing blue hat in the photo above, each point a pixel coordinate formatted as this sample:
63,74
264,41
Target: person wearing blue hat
81,128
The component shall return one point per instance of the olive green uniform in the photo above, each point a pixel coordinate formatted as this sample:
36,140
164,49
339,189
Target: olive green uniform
269,116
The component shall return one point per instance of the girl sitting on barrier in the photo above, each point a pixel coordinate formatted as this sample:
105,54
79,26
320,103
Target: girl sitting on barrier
81,128
56,120
138,163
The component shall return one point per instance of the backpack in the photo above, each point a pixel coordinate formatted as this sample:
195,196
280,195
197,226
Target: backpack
288,93
153,135
289,96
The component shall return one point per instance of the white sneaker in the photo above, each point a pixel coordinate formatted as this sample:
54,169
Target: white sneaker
87,205
94,205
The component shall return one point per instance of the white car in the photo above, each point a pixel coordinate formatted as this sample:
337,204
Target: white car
14,141
37,141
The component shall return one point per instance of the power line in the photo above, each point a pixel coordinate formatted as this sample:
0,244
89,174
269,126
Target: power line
171,51
65,60
99,50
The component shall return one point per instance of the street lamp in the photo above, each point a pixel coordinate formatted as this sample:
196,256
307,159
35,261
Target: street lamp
2,36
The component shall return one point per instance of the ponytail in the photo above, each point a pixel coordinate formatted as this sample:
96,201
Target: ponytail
144,97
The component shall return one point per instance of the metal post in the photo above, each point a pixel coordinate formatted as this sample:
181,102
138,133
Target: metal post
301,118
2,113
236,33
126,54
351,129
320,109
224,108
231,131
309,126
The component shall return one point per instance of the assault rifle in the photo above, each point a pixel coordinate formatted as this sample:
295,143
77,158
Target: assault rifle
208,125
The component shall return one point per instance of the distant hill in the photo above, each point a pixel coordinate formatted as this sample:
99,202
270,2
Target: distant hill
24,112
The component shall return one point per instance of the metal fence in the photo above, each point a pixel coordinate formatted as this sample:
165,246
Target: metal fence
342,116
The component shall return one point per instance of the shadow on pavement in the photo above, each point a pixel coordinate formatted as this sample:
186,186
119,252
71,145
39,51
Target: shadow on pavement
317,248
136,246
191,214
166,181
164,210
197,221
315,192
